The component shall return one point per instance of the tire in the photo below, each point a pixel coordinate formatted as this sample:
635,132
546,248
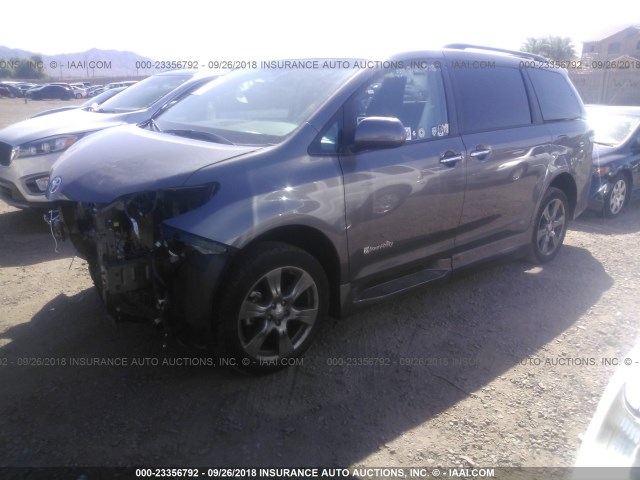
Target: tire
617,197
550,226
78,96
273,305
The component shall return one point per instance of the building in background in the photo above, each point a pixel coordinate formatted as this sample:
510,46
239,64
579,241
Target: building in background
613,45
609,71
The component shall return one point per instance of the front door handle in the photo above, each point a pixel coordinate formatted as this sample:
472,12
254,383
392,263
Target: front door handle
450,158
480,153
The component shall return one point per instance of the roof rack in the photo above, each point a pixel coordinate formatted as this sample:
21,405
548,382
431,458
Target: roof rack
465,46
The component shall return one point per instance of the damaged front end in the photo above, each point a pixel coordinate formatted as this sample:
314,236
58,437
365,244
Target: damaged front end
143,269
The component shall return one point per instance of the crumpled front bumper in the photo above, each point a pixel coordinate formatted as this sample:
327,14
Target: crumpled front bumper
600,186
172,283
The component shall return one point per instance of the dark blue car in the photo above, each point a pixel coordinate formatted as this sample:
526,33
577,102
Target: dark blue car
616,157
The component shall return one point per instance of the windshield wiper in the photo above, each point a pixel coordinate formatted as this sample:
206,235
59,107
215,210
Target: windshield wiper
200,135
152,124
605,143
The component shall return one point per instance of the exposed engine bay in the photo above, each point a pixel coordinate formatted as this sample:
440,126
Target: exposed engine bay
136,262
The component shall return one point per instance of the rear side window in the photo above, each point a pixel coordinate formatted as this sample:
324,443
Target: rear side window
492,99
558,101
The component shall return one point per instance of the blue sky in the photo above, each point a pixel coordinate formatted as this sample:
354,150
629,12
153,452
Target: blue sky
254,30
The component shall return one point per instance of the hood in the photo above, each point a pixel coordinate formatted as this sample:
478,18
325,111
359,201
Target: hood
603,154
57,110
130,159
60,123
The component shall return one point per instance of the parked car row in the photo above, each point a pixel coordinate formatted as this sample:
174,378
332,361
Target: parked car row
58,91
90,105
98,89
51,91
10,90
238,211
22,89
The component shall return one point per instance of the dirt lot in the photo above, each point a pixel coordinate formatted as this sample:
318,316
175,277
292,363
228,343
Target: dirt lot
496,374
16,109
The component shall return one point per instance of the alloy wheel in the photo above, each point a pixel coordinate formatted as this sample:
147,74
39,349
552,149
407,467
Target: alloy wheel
618,196
278,313
551,227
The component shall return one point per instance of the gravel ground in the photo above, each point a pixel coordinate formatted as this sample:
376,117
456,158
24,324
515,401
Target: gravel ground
16,109
502,366
491,369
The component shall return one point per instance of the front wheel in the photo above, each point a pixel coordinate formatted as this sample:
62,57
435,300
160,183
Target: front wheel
617,196
272,307
550,226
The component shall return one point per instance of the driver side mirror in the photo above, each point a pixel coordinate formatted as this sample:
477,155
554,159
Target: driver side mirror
379,132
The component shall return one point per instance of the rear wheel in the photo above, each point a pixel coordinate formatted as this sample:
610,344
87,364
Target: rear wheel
272,308
616,198
550,226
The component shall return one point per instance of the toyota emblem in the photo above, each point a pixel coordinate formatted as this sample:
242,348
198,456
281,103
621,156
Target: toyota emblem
54,185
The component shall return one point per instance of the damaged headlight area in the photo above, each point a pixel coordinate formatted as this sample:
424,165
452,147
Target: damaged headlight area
45,146
139,265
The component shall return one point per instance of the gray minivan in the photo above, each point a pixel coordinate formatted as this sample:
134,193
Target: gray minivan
262,201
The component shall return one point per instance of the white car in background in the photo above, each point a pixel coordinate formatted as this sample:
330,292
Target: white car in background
29,148
79,92
127,83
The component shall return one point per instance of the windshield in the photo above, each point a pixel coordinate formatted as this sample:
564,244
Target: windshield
253,107
612,128
143,94
103,97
